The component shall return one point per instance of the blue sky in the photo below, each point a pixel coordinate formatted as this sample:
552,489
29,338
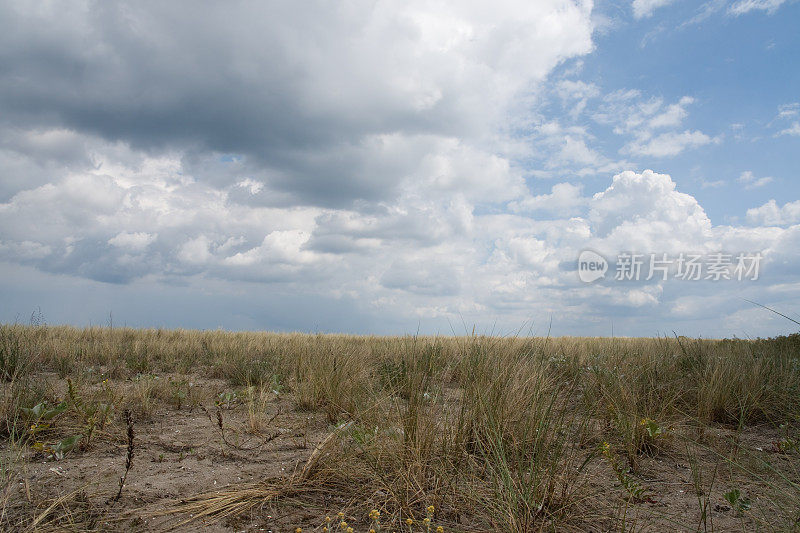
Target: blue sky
739,69
393,167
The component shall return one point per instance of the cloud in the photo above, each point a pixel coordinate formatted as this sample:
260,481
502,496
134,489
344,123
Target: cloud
424,276
306,98
741,7
705,11
751,182
793,130
567,149
161,143
567,144
645,205
745,6
787,114
428,254
577,94
642,118
563,200
788,110
669,144
135,242
672,116
645,8
770,214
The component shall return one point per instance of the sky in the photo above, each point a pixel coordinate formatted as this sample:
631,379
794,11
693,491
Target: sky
388,167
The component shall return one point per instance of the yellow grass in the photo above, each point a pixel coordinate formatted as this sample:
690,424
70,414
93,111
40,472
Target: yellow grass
502,434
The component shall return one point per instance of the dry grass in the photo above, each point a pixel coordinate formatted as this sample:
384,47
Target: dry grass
498,434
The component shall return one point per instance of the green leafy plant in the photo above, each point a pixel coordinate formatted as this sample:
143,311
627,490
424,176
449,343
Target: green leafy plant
737,501
41,412
179,391
60,448
93,414
227,399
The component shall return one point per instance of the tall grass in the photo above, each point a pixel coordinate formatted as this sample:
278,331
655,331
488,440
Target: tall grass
501,427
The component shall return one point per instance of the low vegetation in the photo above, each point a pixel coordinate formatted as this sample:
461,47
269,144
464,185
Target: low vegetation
423,434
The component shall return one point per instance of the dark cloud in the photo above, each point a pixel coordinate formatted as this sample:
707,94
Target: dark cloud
304,94
296,91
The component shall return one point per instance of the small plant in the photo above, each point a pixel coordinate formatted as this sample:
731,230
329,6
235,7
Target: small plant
178,391
257,399
650,435
652,429
246,371
786,444
276,384
129,454
227,399
427,521
61,447
42,413
93,414
39,418
737,501
634,489
364,436
375,518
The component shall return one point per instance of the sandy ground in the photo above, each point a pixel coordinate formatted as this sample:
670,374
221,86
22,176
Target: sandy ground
178,454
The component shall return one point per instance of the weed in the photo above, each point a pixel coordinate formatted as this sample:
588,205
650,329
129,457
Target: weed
128,455
737,501
178,391
93,413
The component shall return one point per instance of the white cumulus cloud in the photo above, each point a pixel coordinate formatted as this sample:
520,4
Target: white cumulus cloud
771,214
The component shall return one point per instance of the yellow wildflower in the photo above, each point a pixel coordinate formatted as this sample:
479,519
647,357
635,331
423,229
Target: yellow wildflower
605,448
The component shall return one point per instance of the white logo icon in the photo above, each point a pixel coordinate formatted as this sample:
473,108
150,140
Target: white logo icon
591,266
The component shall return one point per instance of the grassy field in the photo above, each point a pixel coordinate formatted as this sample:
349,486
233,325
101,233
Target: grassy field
125,429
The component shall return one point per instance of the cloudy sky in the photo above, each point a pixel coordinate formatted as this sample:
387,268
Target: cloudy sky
392,166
